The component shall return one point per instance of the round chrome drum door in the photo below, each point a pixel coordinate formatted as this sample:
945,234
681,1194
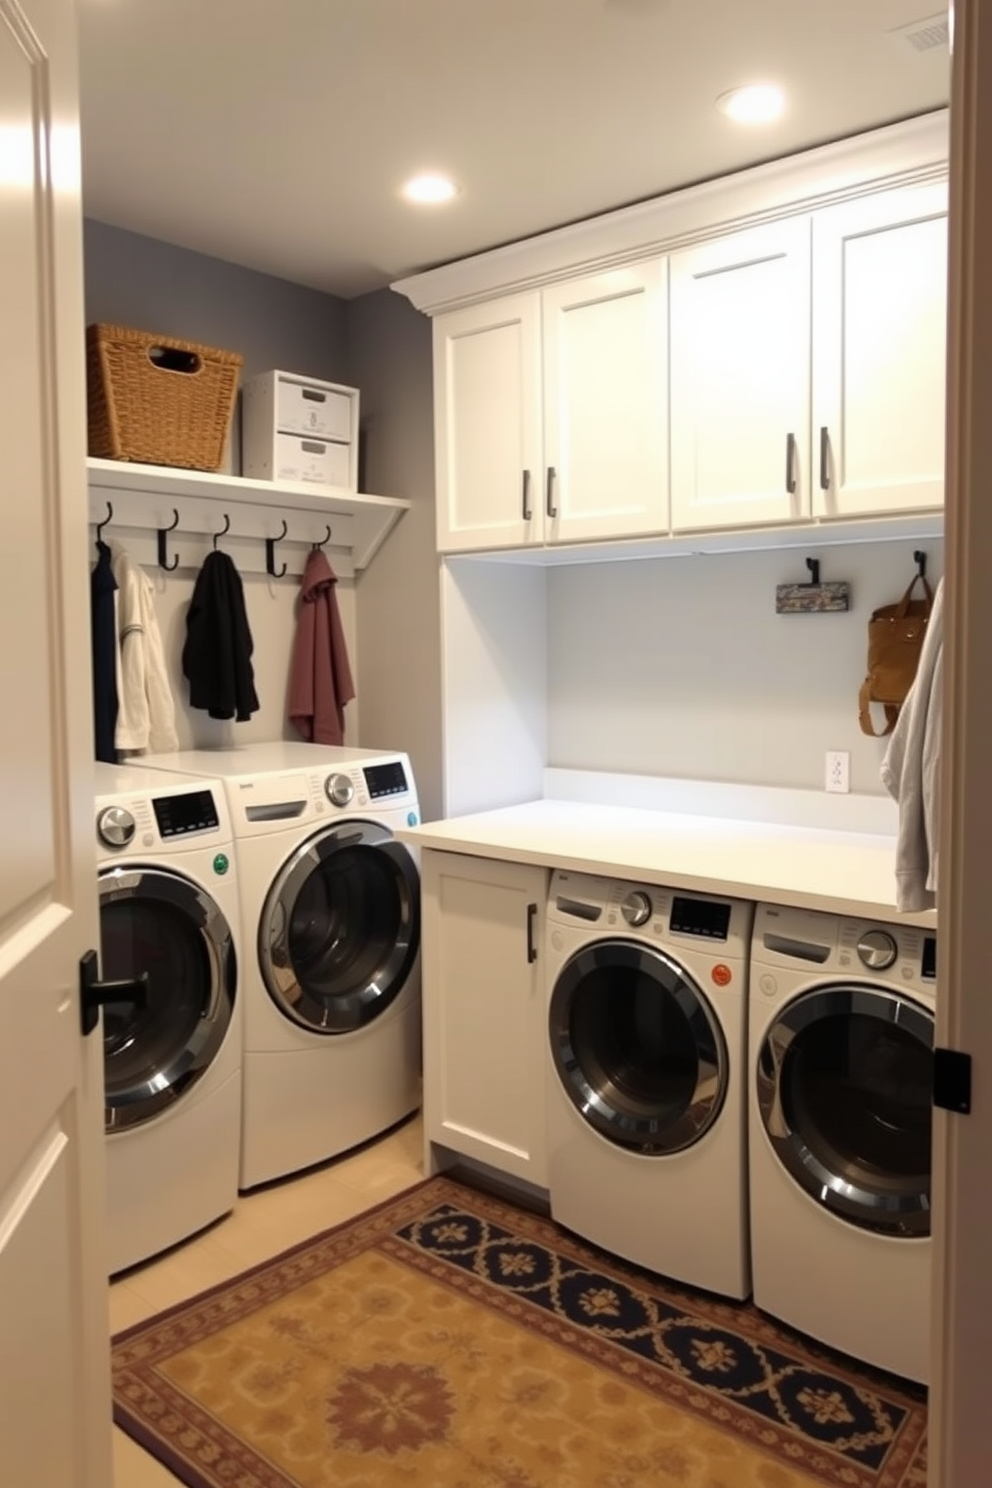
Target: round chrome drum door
157,922
844,1086
637,1047
341,927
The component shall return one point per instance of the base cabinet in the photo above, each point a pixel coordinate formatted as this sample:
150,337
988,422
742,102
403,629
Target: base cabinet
484,1011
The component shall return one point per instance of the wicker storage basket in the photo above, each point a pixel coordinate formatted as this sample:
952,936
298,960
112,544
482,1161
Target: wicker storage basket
158,400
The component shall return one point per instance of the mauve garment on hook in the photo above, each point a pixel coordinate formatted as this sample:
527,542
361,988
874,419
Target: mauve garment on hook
320,681
217,653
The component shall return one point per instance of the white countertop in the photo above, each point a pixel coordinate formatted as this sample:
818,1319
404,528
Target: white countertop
817,868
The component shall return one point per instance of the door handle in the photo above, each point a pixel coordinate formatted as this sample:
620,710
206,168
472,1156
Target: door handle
790,463
528,510
531,920
550,507
824,458
93,993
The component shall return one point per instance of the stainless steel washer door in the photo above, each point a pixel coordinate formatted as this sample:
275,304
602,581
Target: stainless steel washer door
156,921
637,1047
341,927
845,1089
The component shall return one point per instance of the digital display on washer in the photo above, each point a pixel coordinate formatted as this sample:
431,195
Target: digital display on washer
385,780
704,917
194,811
928,966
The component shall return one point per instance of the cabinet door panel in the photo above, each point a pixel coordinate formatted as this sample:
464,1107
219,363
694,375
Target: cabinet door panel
487,362
606,404
483,1004
879,349
740,338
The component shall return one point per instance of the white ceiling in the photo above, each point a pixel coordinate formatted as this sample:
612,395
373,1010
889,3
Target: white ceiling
275,133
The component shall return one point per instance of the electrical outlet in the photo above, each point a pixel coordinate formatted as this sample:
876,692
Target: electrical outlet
838,770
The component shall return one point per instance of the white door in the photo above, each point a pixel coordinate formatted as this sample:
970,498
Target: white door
606,404
961,1442
740,348
487,425
879,352
54,1368
484,1011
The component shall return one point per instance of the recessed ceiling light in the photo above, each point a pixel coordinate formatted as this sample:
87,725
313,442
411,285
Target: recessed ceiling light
428,190
755,104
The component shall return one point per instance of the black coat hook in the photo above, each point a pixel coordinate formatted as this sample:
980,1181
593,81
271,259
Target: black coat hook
161,543
920,559
270,553
813,564
226,528
100,525
326,540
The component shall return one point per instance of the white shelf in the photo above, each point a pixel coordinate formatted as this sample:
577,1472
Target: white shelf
361,523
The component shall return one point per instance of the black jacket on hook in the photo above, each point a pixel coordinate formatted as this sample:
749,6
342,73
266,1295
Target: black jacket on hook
217,653
103,587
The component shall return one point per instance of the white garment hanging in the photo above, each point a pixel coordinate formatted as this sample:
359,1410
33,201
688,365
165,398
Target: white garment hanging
911,771
146,715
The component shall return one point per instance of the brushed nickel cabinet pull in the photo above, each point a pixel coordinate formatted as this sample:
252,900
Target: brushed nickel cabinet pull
824,458
550,507
790,463
528,510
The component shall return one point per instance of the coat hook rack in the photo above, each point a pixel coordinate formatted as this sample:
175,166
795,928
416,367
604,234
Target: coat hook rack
162,531
100,525
920,559
270,553
326,540
225,529
812,597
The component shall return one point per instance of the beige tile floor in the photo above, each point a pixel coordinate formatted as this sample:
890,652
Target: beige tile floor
262,1224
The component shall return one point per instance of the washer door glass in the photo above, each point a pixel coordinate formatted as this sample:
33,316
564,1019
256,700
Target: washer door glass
637,1047
341,928
845,1090
155,921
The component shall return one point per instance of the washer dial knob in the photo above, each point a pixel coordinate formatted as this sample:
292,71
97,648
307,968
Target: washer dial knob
636,908
339,789
115,826
877,949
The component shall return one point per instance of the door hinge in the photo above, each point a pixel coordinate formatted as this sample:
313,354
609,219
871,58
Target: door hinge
952,1080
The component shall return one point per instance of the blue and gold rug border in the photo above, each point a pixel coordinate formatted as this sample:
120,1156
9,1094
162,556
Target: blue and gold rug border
545,1303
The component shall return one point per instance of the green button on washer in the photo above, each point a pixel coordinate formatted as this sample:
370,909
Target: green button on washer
221,863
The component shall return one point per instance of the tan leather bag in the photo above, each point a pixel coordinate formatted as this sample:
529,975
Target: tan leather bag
895,639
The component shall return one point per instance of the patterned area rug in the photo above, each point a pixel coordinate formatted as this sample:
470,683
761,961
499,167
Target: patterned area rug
449,1340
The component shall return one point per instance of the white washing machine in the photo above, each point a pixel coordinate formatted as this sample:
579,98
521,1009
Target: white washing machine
330,903
172,1068
645,1093
841,1055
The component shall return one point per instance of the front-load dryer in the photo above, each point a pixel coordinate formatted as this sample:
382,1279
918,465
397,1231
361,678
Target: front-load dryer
330,902
645,1085
841,1058
168,900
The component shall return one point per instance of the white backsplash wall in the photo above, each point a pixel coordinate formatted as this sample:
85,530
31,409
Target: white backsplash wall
681,667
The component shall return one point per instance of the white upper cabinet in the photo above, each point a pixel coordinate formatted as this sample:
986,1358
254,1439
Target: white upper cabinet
740,350
487,425
606,405
551,413
879,339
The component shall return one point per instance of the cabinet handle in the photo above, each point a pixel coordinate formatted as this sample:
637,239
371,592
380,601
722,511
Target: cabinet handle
790,463
824,458
550,507
527,508
531,947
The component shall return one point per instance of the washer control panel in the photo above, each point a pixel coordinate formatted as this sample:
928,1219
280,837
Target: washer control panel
838,945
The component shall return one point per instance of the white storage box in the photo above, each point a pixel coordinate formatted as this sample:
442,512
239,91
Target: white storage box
294,428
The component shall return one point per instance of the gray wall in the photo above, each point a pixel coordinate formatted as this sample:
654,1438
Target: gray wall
398,624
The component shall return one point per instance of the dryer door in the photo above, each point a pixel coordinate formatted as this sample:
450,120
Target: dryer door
156,921
637,1047
340,928
845,1088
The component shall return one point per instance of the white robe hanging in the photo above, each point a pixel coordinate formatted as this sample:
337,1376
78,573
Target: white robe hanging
146,715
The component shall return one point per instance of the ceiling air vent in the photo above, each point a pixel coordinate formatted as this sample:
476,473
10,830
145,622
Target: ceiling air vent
925,35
